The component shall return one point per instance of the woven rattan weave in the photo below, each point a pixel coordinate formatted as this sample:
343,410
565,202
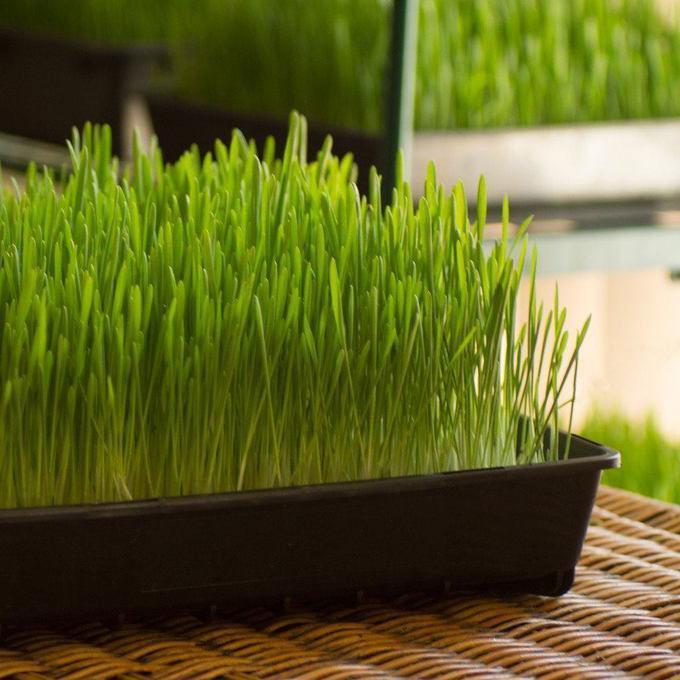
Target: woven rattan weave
622,618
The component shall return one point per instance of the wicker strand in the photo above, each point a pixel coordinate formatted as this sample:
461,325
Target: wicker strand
633,506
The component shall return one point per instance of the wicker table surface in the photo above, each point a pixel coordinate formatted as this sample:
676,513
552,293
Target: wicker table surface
622,618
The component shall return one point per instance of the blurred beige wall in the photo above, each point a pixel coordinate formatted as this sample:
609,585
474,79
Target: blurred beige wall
669,8
631,357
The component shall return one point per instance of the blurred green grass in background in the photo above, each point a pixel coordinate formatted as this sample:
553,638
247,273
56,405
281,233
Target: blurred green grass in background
481,63
650,460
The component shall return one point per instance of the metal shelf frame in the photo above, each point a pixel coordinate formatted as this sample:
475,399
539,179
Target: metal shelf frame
400,102
619,248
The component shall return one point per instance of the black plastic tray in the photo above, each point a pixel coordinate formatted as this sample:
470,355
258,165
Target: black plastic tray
49,85
518,528
178,124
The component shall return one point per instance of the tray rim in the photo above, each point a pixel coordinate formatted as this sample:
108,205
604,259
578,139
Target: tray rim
591,457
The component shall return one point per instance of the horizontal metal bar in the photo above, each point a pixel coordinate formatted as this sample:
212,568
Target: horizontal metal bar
625,249
585,162
17,152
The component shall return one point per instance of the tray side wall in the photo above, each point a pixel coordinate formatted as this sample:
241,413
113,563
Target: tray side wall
501,529
558,164
179,124
49,86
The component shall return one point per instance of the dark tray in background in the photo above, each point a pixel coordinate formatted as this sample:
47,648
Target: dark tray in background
178,124
49,85
518,528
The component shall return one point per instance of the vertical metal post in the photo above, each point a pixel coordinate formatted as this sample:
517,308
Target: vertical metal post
401,91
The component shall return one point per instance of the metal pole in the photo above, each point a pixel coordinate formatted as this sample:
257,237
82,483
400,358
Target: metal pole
401,91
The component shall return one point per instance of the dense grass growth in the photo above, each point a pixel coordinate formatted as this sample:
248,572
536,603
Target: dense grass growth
232,322
106,21
326,59
491,63
650,460
481,63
